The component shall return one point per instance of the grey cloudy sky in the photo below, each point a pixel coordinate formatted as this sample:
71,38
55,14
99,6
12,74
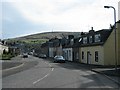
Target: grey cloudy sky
23,17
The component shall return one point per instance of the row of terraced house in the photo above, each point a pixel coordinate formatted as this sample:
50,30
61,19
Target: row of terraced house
94,47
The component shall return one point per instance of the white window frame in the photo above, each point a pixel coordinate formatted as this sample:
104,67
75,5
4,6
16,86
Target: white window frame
90,39
84,40
97,38
72,41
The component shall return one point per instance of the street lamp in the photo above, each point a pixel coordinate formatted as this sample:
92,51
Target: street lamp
115,33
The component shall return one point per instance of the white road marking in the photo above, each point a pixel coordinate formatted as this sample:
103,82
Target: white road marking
45,75
14,67
46,62
50,65
40,79
52,69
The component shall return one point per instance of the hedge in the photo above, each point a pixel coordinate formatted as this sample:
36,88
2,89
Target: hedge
6,56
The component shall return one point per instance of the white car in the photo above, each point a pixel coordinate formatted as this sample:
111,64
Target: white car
25,55
59,59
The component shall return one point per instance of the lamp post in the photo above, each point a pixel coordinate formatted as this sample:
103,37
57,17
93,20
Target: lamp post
115,34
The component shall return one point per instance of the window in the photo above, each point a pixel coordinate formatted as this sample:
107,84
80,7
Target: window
72,41
85,40
80,39
82,55
97,38
96,56
90,39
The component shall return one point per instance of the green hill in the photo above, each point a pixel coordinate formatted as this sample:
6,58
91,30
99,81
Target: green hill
34,41
48,35
40,38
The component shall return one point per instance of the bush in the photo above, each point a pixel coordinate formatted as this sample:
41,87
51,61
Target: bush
6,56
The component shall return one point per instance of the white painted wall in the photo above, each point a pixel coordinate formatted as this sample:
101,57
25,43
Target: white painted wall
51,52
69,55
2,48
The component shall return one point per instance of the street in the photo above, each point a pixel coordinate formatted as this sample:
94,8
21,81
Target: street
43,73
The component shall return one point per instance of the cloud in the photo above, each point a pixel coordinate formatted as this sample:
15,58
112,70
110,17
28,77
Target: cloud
62,11
75,15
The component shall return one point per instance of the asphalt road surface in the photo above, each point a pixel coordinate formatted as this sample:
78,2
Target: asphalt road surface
43,73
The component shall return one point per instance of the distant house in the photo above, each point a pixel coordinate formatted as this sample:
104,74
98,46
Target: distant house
67,48
55,47
76,49
51,49
14,50
67,53
44,49
2,47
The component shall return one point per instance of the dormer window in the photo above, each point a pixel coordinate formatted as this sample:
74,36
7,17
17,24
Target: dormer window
85,40
80,39
72,41
90,39
97,38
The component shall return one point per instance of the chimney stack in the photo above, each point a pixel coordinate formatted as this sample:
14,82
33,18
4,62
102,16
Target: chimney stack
91,28
91,31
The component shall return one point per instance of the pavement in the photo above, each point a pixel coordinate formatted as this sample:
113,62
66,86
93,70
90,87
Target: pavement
110,73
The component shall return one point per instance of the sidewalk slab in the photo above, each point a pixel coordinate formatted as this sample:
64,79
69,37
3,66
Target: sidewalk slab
109,73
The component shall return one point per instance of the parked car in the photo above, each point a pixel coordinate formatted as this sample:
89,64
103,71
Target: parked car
59,59
35,54
25,55
30,53
43,56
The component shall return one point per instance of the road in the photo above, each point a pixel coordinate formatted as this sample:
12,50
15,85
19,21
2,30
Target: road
40,73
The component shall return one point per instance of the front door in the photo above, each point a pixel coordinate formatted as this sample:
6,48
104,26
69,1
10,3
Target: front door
88,57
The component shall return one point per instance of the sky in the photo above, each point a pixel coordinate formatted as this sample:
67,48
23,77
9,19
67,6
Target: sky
25,17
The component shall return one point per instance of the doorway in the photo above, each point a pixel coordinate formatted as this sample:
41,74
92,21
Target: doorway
88,57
